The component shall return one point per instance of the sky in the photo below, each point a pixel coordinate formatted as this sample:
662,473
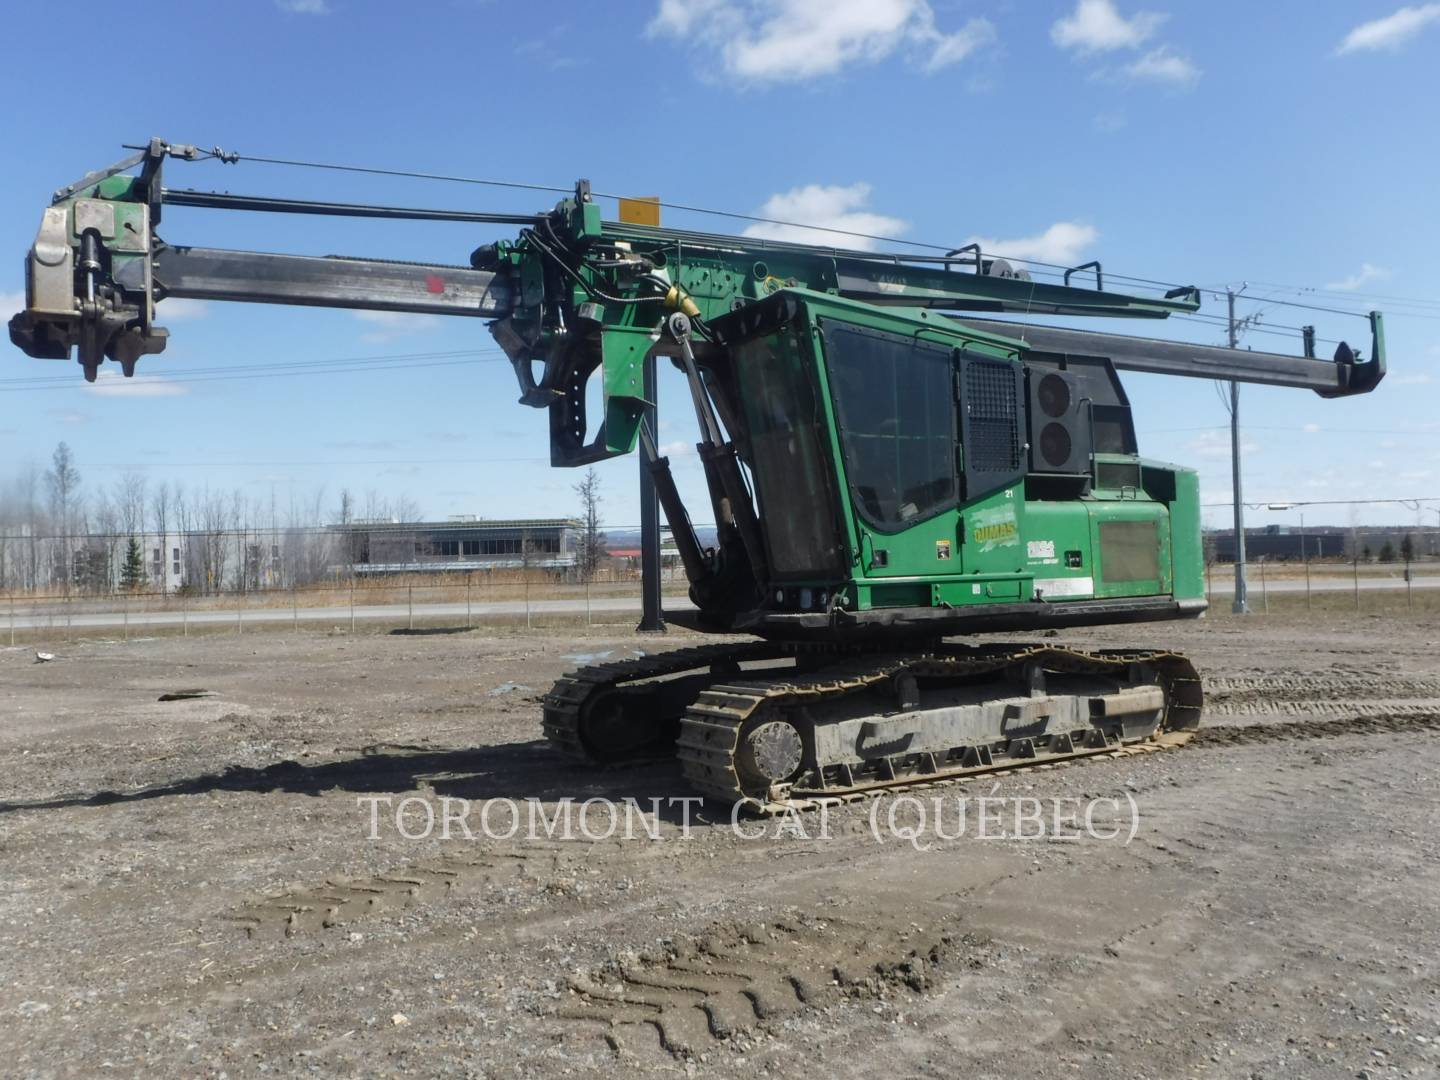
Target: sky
1286,150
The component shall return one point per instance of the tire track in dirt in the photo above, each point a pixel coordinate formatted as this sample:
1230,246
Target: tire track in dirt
342,901
1347,682
1261,707
1385,722
741,979
1335,694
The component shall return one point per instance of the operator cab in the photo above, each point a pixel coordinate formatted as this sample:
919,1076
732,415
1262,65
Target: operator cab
911,474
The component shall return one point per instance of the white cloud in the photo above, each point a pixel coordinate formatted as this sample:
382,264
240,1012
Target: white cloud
793,40
1392,31
1097,26
1063,243
177,309
407,319
391,325
681,18
1163,65
303,7
816,209
1413,380
11,303
1361,277
113,384
678,449
1311,428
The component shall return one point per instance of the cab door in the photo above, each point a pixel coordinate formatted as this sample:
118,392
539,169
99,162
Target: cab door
898,429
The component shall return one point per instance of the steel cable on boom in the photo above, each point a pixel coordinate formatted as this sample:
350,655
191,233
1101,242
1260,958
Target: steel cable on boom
1055,268
218,154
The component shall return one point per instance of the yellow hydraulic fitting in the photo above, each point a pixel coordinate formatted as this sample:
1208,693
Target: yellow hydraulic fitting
677,299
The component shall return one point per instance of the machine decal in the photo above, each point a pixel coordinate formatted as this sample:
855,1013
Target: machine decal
1064,586
1040,549
996,527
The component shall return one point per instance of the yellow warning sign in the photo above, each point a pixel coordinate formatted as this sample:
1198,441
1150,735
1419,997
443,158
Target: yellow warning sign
640,210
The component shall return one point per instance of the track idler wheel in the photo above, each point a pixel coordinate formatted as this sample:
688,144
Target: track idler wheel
616,725
769,753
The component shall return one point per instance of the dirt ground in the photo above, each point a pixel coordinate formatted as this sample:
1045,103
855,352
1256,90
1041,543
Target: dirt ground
191,888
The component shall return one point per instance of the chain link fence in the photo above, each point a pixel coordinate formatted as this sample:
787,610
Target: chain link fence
427,605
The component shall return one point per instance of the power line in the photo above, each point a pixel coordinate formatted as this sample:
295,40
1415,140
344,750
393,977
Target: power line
1349,293
1412,503
1364,314
250,371
1274,329
433,355
1293,304
251,464
1315,431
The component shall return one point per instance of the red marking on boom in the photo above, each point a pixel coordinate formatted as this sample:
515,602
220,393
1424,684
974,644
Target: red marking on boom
434,284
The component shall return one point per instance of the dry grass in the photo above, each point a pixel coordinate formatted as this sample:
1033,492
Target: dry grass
1396,601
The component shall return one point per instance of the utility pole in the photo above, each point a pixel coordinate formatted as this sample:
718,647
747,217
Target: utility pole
1240,606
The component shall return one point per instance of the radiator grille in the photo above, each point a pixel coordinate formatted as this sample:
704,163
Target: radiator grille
1129,552
1117,474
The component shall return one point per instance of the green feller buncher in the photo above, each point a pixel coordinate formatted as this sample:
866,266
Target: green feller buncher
889,466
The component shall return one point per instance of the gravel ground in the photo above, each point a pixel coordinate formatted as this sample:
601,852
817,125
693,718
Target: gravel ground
191,888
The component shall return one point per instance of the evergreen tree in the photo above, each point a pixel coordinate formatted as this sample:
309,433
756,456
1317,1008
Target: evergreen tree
132,573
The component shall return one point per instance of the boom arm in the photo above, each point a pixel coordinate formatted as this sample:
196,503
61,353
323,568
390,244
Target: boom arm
572,294
1340,377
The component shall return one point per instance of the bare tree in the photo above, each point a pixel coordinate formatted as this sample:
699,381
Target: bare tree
405,509
94,535
214,549
130,502
186,516
160,511
28,500
53,531
592,539
63,482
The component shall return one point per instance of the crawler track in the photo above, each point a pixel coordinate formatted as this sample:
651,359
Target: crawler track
634,710
711,730
583,722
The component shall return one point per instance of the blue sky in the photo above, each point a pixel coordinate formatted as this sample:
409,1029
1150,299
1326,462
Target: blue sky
1290,145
